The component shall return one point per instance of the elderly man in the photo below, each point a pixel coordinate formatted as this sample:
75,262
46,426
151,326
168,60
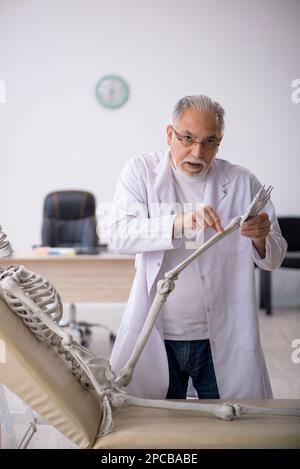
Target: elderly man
165,205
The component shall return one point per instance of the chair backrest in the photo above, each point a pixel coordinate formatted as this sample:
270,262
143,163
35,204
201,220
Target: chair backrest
70,219
290,229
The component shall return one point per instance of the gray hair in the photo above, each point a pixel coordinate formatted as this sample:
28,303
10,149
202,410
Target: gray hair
199,102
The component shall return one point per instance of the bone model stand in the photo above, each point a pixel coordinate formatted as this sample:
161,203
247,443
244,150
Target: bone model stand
38,304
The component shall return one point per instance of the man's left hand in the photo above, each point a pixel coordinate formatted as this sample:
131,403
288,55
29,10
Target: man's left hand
257,229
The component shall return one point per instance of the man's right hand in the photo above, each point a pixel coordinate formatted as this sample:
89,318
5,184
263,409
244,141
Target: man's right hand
199,219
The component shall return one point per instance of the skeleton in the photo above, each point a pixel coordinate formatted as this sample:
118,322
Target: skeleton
38,304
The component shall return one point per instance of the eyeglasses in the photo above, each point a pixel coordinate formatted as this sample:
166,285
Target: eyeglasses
187,140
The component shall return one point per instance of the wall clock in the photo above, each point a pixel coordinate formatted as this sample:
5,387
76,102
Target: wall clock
112,91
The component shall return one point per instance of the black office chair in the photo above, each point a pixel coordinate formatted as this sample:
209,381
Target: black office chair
290,229
70,221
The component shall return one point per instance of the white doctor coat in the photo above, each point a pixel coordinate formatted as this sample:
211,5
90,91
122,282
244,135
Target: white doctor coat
141,223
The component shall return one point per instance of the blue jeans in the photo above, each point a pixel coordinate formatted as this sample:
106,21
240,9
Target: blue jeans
193,359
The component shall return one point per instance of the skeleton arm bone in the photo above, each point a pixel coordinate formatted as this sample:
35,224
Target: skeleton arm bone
232,226
164,287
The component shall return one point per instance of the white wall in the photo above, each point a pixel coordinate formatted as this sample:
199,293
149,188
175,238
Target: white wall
54,134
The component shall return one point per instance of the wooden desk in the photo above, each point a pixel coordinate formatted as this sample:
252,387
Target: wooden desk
88,279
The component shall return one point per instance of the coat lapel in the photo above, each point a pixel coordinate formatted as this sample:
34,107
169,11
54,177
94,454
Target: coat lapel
164,194
216,193
217,186
164,185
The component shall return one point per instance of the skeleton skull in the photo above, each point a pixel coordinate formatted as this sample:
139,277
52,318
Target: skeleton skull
5,247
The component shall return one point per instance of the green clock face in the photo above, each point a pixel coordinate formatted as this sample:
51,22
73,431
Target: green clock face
112,91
